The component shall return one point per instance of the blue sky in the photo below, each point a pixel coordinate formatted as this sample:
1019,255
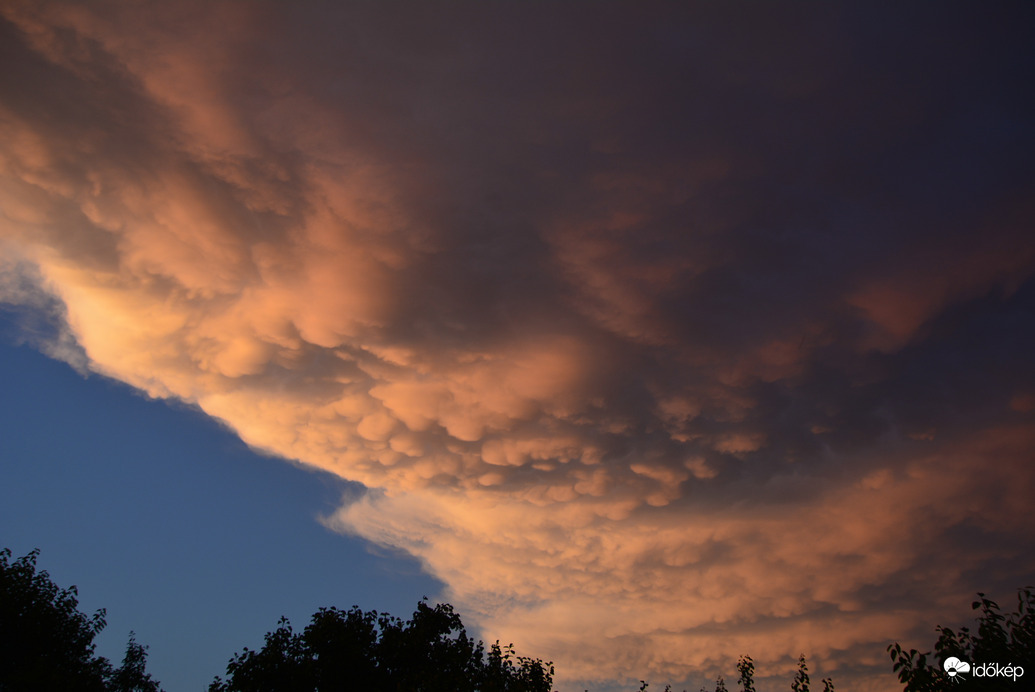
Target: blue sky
166,519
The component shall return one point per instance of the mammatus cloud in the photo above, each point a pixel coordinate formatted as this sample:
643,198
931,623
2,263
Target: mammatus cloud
659,338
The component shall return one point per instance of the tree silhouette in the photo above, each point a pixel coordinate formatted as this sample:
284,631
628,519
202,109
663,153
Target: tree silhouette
746,671
47,643
801,680
132,675
357,650
746,677
1006,640
505,671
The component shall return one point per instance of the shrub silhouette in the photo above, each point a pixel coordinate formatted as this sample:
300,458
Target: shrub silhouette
358,650
1002,639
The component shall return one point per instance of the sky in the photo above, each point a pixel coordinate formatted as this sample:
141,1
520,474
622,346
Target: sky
648,335
165,519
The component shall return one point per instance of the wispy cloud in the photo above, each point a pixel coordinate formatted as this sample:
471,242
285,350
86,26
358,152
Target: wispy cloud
660,335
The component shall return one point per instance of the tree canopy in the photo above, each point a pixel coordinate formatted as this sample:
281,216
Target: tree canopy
48,643
365,650
1005,640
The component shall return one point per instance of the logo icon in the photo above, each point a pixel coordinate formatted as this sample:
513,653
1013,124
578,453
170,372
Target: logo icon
955,667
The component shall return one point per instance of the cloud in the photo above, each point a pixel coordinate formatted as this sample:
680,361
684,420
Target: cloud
659,341
845,566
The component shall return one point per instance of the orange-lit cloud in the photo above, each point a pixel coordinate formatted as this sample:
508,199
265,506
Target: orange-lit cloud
644,389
